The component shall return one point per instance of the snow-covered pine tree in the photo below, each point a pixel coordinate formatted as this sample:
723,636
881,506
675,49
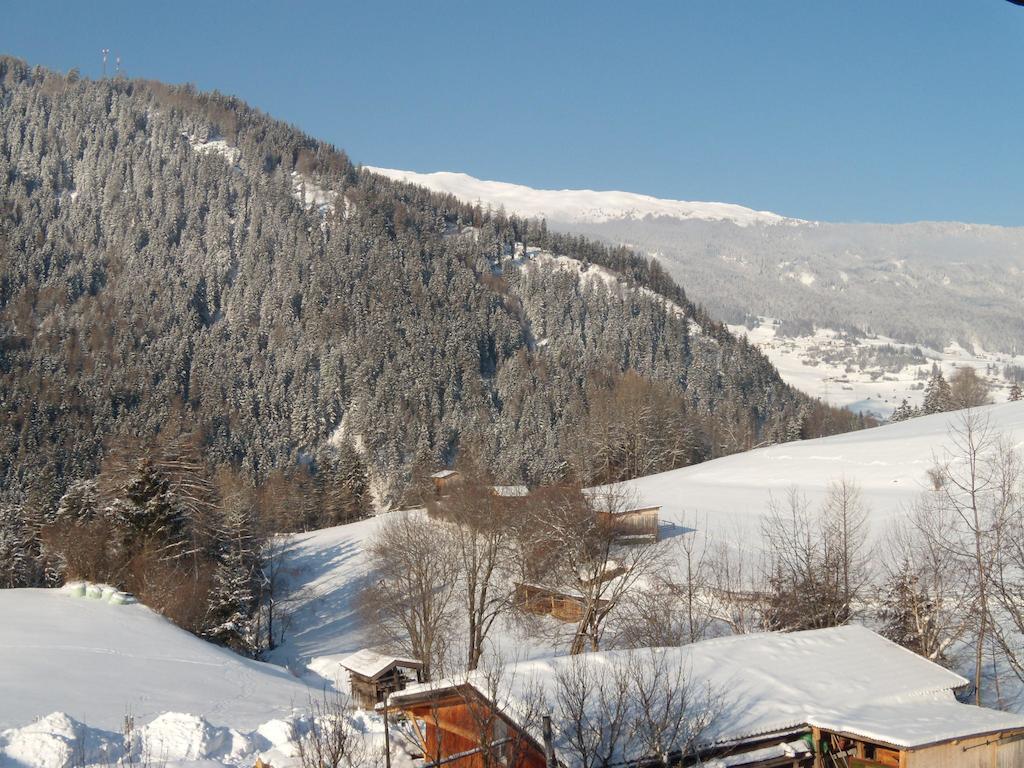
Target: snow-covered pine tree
903,412
80,502
1015,393
938,397
232,601
16,556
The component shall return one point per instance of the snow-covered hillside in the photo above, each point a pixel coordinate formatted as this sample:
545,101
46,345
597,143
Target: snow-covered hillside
725,498
889,463
117,659
324,573
74,668
578,205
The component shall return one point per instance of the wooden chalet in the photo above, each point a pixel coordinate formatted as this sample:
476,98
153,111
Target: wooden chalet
831,698
564,605
373,676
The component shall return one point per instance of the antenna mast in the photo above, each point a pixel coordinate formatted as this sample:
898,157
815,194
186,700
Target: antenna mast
106,53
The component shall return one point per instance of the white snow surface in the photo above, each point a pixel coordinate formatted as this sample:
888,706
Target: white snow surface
98,662
729,496
578,205
771,683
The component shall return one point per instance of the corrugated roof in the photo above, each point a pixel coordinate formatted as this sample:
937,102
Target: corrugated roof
370,663
775,682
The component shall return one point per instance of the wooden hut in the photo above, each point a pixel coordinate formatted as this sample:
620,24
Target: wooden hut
633,523
444,480
831,698
373,676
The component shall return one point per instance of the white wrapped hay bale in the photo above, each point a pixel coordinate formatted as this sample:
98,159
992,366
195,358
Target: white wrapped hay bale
94,592
74,588
108,592
121,598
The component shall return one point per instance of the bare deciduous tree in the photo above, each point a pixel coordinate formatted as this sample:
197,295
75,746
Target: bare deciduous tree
816,562
925,600
331,741
638,706
411,597
968,493
482,534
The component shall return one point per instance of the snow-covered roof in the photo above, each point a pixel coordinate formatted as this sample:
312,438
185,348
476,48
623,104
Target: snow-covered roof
845,678
918,722
370,663
443,473
510,490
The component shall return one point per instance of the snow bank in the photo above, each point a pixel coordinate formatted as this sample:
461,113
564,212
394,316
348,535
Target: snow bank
171,739
99,662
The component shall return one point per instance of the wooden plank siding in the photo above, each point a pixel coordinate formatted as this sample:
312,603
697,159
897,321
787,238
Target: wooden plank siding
1004,750
464,722
540,600
633,523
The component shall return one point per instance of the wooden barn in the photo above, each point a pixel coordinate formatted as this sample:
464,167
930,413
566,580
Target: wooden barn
373,676
830,698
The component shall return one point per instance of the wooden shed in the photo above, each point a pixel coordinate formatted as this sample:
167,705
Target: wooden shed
373,676
633,523
547,601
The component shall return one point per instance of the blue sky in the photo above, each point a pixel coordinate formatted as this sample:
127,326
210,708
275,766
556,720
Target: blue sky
866,110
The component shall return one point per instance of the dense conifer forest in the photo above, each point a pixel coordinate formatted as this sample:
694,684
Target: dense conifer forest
205,312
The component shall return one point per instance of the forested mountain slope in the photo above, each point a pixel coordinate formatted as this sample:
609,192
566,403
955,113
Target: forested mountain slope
930,283
168,256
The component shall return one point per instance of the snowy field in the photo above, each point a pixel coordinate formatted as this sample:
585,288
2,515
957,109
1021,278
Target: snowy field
824,366
888,463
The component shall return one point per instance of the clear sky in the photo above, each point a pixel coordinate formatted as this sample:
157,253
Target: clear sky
853,110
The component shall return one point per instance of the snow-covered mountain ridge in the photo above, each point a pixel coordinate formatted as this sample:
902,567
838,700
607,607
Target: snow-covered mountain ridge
576,206
928,283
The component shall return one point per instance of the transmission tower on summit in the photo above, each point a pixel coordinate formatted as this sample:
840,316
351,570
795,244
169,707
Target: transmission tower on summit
106,53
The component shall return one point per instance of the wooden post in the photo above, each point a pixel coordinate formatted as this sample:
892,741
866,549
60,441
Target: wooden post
387,735
549,744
